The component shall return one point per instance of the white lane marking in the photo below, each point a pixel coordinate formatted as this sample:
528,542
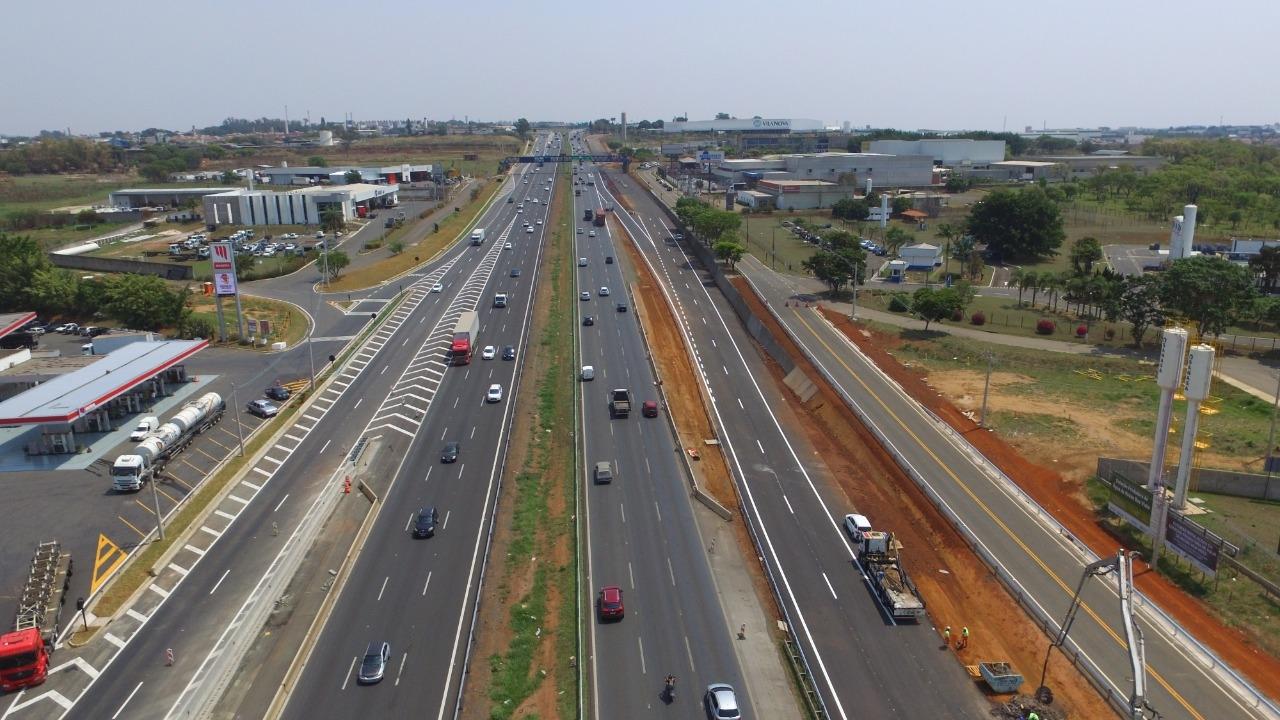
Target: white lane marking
136,615
120,709
426,585
248,484
195,550
325,445
631,575
787,500
689,652
740,405
384,369
403,658
219,583
178,569
277,507
226,515
408,522
158,590
671,571
384,586
640,647
114,640
238,499
347,678
445,525
760,446
832,590
353,407
656,510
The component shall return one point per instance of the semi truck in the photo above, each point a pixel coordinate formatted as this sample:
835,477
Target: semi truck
131,470
477,236
619,402
588,214
599,218
465,333
878,553
24,653
110,343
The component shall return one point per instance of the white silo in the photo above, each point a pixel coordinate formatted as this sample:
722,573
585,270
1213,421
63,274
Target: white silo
1199,377
869,185
884,210
1173,348
1175,238
1188,229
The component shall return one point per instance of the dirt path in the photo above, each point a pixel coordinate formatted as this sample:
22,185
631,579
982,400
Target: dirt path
1063,499
956,586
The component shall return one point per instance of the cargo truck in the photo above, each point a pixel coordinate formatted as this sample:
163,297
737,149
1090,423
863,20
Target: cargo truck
24,653
599,218
465,333
878,553
477,236
619,402
130,471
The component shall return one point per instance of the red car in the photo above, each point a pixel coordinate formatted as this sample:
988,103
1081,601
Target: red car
649,408
609,604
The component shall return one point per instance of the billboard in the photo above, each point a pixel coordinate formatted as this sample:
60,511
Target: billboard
1195,544
223,261
711,156
1129,500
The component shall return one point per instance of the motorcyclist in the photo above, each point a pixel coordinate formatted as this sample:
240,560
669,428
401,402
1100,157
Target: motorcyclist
671,686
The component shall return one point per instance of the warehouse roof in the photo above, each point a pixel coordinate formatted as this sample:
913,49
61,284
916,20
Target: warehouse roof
82,391
12,321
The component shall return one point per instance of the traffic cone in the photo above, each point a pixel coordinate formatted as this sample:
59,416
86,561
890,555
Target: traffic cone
346,486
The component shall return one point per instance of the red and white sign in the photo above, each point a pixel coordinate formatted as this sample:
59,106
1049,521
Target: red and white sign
223,258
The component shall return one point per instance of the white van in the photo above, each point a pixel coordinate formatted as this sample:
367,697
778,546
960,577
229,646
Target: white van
145,427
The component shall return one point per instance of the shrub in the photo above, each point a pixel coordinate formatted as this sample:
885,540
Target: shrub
957,316
1109,333
898,303
978,318
1082,330
1045,326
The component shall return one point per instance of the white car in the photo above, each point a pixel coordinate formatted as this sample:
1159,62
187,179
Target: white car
508,247
584,295
539,221
494,395
437,288
855,525
488,353
528,228
604,291
591,234
582,262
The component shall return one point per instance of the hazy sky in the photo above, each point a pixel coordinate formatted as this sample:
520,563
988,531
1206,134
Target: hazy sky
92,65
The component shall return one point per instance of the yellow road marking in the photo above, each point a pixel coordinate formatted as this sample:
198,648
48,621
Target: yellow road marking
106,561
132,526
175,502
143,505
1070,591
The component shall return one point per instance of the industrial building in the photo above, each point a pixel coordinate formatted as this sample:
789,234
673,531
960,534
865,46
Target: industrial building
834,167
1015,170
159,197
304,206
804,194
790,125
1084,166
951,152
385,175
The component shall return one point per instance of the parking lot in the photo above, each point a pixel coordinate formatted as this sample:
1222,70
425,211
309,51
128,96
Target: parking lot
72,501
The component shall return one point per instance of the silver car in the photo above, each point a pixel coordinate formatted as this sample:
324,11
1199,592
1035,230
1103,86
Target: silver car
374,663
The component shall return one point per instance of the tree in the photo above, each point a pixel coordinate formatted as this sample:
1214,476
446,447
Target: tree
1210,291
229,177
317,161
1139,305
728,249
331,219
1017,225
900,204
850,209
949,233
53,290
20,259
142,301
930,304
88,216
352,177
332,262
522,128
837,269
1016,280
1267,263
347,136
1084,253
396,247
895,238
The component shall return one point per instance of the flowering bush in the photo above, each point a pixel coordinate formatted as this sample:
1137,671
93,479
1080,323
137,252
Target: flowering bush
978,318
1045,327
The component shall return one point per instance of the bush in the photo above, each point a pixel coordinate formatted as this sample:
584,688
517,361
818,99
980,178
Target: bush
1082,330
957,316
1109,333
1045,327
978,318
898,303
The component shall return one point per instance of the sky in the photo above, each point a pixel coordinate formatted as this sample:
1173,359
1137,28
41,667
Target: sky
97,66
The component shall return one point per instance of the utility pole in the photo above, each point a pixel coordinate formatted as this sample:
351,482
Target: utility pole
986,389
235,405
155,500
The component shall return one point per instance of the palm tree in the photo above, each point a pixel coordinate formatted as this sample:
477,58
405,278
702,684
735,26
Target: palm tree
1051,283
1015,280
948,232
1076,287
1035,280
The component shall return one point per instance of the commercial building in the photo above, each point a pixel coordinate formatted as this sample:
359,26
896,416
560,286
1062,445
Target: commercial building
944,151
834,167
921,256
790,125
804,194
304,206
755,199
1083,166
384,175
1012,170
159,197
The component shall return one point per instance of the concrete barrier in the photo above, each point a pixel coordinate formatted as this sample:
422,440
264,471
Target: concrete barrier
168,271
1209,480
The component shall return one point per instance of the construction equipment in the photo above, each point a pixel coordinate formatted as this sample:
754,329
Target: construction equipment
24,653
878,553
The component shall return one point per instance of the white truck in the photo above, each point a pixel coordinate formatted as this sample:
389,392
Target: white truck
132,470
878,553
477,236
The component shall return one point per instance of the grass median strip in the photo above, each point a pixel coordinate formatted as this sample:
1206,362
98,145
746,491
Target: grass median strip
539,574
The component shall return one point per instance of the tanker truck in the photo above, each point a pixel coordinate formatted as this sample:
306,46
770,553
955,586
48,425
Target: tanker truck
130,471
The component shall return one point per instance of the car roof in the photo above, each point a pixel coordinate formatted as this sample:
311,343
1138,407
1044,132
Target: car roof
858,520
725,697
375,648
611,593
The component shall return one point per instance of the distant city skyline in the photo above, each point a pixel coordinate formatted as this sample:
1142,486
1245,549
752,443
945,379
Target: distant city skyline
980,66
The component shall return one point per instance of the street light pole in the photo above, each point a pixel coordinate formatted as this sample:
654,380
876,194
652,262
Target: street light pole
235,405
986,388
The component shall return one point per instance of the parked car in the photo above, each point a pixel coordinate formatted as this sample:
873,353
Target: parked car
277,392
374,664
609,603
263,408
450,452
424,525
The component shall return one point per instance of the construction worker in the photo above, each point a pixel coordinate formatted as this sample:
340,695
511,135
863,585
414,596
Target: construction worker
946,636
1033,715
964,638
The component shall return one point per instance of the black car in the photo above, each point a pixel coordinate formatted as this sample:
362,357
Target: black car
450,452
425,525
374,663
515,272
588,320
622,307
509,352
277,392
608,259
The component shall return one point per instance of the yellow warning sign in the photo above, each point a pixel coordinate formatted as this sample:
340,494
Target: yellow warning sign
108,559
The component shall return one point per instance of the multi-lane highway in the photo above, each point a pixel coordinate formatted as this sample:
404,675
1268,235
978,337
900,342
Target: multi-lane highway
864,665
641,533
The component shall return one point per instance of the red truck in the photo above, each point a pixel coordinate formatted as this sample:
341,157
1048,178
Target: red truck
464,338
24,653
599,218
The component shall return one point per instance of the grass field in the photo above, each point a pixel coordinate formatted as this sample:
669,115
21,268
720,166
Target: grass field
288,323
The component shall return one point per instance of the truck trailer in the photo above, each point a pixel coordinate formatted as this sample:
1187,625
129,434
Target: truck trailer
465,334
878,553
477,236
598,221
132,470
24,653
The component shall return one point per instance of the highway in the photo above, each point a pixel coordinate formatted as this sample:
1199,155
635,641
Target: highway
219,574
1046,565
641,532
863,664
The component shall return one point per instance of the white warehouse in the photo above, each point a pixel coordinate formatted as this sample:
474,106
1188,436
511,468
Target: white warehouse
944,151
304,206
883,170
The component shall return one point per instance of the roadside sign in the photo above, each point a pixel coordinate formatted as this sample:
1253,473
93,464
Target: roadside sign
1197,545
223,261
1130,500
